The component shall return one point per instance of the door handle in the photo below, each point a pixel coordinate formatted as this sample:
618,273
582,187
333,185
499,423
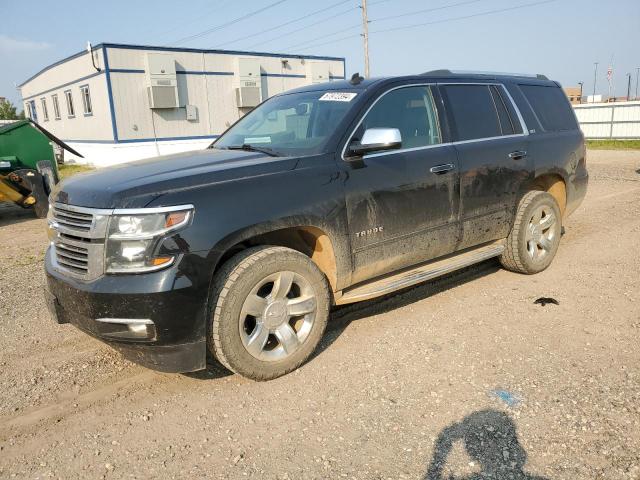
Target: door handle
518,154
444,168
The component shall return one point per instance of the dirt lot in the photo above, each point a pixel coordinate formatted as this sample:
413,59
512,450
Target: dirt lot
465,377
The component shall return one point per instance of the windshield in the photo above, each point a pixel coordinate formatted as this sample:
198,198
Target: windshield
293,124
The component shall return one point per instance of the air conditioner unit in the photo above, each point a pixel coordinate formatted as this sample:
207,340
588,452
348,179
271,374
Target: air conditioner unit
163,96
248,97
162,82
249,82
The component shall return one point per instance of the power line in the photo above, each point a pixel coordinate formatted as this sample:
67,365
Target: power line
331,41
426,10
231,22
303,28
342,12
337,32
446,20
195,17
490,12
284,24
331,17
342,30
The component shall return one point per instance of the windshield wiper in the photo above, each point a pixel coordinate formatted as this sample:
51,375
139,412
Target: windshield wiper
252,148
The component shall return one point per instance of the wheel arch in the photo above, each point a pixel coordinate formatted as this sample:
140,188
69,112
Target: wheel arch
555,185
311,240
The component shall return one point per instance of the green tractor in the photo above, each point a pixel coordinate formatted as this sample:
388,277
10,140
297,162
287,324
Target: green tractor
28,167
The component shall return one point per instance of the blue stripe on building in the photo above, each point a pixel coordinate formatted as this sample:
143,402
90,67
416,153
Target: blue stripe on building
82,79
175,49
112,109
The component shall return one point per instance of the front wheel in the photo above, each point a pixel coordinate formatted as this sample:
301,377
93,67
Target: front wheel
270,307
535,236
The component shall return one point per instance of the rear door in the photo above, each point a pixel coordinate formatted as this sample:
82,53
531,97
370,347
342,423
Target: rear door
556,143
491,144
402,205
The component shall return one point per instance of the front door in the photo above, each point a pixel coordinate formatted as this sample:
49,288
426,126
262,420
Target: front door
402,205
494,163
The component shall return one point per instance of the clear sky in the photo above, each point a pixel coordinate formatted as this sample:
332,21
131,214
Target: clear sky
560,38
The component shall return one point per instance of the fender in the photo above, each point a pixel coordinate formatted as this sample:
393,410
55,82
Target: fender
338,247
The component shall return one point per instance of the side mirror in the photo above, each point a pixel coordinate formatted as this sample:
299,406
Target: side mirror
376,140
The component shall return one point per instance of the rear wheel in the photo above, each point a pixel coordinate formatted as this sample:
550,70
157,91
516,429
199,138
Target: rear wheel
270,309
535,236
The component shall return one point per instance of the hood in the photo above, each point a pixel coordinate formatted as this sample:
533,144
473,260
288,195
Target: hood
135,184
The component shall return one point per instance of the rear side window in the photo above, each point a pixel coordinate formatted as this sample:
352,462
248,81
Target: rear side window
551,106
473,111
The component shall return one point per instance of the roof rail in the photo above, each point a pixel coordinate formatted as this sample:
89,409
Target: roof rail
452,73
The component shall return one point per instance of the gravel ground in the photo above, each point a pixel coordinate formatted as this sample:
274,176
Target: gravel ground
462,378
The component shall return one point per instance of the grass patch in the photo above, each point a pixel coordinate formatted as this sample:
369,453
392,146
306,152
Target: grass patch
613,144
68,170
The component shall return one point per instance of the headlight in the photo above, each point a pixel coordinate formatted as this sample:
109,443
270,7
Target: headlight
134,236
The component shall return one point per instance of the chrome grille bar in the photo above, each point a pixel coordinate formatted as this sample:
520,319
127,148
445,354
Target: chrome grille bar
77,238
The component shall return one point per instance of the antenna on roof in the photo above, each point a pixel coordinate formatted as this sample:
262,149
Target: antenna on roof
93,61
356,79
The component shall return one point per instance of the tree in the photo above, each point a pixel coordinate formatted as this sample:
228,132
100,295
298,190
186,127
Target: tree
7,110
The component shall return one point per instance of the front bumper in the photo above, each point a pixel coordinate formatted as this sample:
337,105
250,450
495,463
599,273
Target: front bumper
167,309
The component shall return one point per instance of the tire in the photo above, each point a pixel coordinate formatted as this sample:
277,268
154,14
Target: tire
533,241
251,325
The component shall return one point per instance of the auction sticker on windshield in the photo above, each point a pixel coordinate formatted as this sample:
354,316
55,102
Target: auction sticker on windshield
337,97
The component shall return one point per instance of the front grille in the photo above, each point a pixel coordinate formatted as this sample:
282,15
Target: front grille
77,238
73,257
73,220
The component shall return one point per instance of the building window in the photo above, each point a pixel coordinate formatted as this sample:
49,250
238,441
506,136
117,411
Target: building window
70,110
56,107
86,100
27,110
45,112
33,114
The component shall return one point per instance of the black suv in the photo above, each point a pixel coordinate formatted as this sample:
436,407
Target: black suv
325,195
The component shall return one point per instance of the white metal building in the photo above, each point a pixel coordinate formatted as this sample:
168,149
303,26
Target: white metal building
126,102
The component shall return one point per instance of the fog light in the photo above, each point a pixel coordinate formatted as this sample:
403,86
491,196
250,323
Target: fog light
127,328
138,329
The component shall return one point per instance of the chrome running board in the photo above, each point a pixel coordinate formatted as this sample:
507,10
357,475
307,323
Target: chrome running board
421,273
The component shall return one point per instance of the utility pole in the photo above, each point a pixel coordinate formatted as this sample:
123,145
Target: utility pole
629,87
365,36
595,81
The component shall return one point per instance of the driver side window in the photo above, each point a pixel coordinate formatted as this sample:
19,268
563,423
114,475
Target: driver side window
409,109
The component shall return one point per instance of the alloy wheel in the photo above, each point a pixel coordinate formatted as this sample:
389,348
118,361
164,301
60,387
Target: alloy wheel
541,232
277,316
